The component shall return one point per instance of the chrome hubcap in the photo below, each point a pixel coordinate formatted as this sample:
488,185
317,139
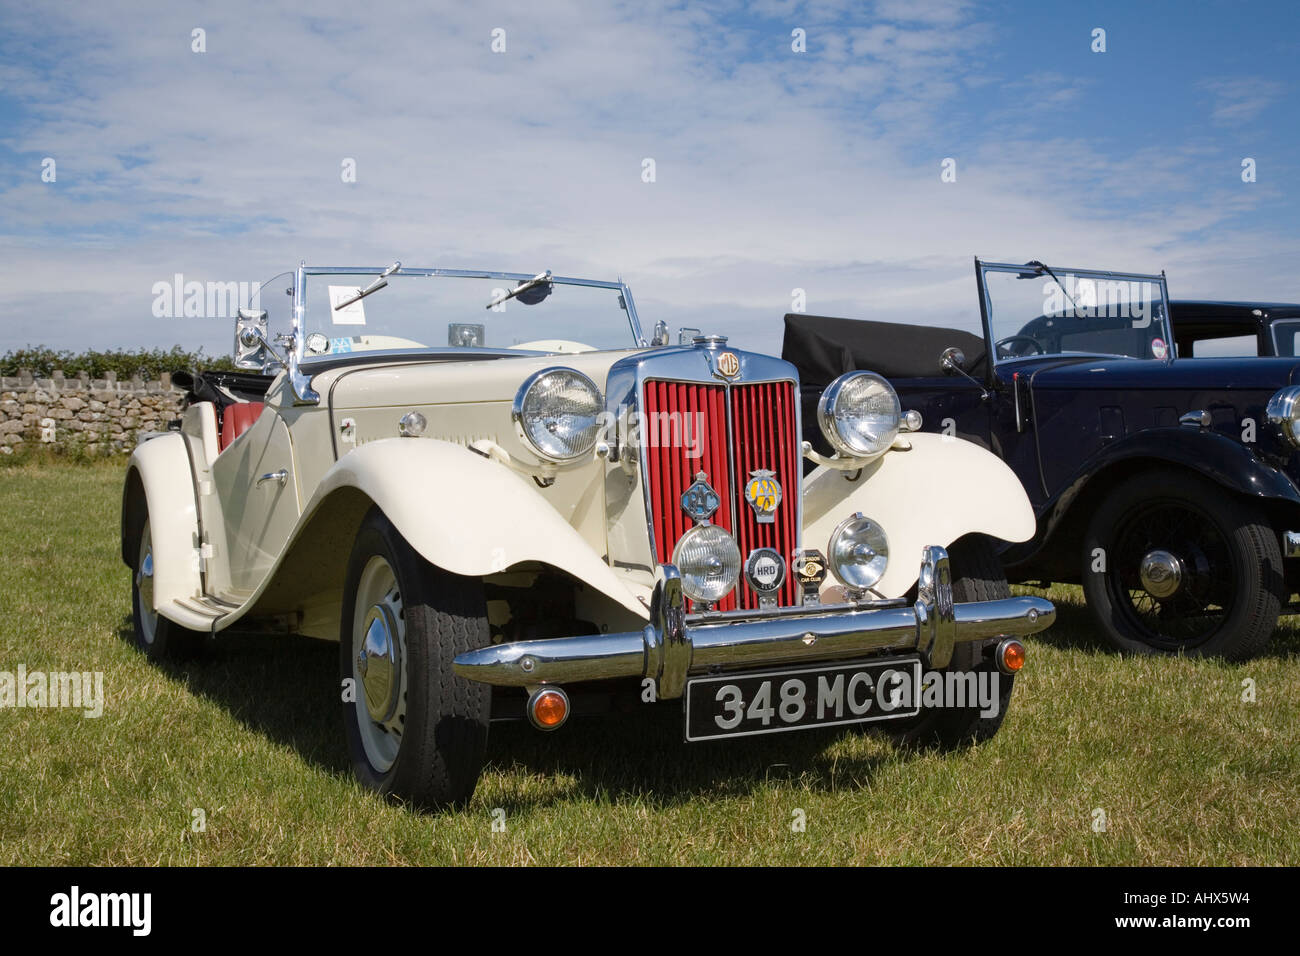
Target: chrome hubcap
378,663
144,586
1161,574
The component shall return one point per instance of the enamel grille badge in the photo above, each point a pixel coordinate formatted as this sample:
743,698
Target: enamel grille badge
809,567
728,364
765,572
700,501
763,492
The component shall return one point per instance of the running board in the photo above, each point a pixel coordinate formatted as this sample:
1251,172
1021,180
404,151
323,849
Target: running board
198,614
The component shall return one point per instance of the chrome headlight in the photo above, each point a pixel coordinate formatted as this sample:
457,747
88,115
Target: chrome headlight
558,411
1284,411
709,561
859,414
858,552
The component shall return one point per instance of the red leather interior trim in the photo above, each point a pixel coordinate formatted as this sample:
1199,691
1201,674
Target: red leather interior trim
237,419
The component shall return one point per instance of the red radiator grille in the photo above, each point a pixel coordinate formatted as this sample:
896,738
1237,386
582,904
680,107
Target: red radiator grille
761,435
764,438
671,471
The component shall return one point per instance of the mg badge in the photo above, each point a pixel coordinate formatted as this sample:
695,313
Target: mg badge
809,567
763,492
700,500
728,365
765,572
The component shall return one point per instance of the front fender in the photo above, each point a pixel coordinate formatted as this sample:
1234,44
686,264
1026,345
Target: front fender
466,514
933,493
161,466
1216,456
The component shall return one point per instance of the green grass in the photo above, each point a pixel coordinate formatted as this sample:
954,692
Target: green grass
1185,772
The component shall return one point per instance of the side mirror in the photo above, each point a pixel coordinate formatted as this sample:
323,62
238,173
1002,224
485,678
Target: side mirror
251,351
660,336
953,360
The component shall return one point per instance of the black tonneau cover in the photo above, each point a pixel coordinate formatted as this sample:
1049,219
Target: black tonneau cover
221,387
824,348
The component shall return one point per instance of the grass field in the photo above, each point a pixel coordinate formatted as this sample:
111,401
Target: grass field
1184,770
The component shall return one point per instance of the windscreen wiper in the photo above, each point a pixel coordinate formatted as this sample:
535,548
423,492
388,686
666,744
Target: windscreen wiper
380,281
542,278
1044,267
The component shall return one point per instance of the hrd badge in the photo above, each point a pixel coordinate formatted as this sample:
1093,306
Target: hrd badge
765,572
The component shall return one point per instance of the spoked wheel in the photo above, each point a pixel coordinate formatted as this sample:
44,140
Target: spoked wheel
1174,575
1174,564
416,732
159,638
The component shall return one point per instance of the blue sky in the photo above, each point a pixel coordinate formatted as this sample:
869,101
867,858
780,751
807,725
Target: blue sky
775,170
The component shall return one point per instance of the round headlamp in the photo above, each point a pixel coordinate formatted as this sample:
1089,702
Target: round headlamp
1284,412
858,552
558,412
859,414
709,562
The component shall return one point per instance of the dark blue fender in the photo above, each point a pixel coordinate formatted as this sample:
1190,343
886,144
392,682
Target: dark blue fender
1219,458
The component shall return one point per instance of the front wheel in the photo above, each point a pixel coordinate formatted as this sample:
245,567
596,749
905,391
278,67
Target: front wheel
977,575
159,638
416,732
1174,564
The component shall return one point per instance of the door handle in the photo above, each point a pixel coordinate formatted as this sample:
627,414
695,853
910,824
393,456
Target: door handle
280,476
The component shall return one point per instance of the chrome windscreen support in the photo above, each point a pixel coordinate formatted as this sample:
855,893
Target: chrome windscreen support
303,393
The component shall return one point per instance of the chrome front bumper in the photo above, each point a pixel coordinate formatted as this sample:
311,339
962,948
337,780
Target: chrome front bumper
670,648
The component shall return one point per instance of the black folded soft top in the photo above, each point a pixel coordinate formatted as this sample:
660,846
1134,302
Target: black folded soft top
823,348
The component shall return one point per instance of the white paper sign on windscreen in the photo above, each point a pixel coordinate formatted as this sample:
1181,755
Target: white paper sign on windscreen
354,314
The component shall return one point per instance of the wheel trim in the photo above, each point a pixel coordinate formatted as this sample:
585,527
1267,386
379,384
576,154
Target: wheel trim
1161,574
1198,552
144,587
379,663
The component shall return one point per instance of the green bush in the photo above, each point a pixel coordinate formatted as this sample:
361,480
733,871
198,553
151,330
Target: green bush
147,363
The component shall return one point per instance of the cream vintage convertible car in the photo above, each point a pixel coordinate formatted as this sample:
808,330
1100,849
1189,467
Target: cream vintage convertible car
552,514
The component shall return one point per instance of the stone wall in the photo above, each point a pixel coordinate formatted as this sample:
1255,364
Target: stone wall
94,415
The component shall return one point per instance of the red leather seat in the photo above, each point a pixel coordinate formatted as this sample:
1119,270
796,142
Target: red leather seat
237,419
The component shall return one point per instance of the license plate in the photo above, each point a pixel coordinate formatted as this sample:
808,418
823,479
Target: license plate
770,702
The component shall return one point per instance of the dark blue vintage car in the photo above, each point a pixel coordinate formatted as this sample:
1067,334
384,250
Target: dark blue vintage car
1164,483
1240,329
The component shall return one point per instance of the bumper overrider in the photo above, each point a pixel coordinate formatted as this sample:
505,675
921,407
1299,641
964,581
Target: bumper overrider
671,647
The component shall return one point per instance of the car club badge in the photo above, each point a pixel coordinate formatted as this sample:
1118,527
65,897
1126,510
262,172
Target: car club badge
763,492
765,572
809,567
728,365
700,501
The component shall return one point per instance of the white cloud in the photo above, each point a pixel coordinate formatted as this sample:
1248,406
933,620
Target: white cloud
775,170
1237,100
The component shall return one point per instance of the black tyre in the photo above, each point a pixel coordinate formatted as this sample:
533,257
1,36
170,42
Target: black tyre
1175,564
159,638
977,575
415,731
